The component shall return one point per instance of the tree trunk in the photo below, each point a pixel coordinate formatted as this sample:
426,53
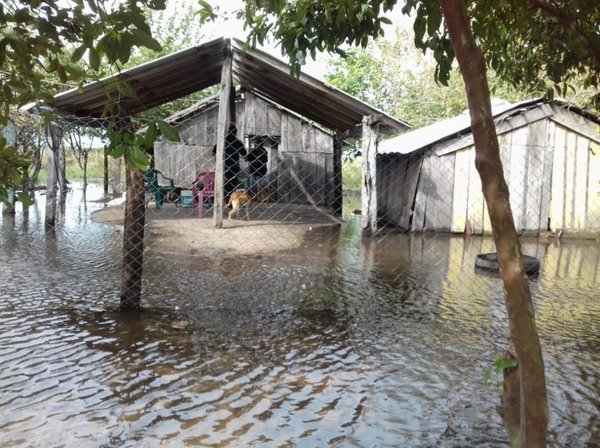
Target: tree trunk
52,169
533,406
133,239
116,177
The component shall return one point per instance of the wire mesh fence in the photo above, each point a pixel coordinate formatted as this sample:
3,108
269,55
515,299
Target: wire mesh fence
410,294
282,177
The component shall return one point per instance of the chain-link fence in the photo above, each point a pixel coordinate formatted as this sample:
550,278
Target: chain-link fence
282,177
291,272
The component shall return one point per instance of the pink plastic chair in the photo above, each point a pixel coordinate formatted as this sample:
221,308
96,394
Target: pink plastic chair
208,191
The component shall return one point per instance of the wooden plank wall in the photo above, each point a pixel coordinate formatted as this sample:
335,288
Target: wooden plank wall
553,175
557,195
534,179
396,188
181,161
575,200
460,195
593,188
546,192
302,170
517,178
438,214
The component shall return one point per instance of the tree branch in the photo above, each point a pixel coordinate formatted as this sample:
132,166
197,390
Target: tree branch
569,23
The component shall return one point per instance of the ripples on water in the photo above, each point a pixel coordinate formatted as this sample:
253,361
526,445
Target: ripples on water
344,343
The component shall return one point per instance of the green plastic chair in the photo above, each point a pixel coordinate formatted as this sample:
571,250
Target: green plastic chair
156,191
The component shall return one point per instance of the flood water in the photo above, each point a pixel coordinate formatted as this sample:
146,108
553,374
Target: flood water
344,343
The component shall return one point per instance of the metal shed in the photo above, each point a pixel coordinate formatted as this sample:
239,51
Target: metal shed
550,152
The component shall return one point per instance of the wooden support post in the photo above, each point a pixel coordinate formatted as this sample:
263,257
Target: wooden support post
116,177
369,175
61,165
338,144
133,238
222,127
105,177
9,206
52,181
232,100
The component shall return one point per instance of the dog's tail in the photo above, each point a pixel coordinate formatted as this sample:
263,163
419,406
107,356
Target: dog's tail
230,201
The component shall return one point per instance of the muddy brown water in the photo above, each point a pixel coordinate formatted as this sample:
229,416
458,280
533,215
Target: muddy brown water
345,342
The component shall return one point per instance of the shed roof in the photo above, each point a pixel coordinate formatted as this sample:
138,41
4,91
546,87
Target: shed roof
445,130
196,68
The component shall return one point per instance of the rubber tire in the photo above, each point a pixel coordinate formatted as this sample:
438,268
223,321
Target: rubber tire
489,262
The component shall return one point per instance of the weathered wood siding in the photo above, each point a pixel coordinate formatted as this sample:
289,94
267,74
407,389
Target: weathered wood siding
552,171
396,189
300,171
182,161
575,191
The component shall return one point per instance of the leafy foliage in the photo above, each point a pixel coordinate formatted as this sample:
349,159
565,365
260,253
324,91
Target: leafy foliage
34,37
394,76
13,165
535,45
305,27
35,33
501,364
45,43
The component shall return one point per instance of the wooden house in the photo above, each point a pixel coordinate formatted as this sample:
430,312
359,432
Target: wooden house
550,152
300,153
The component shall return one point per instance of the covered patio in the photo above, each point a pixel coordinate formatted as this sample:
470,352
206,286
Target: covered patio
225,61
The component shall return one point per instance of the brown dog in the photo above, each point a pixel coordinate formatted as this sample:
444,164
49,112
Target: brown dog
237,200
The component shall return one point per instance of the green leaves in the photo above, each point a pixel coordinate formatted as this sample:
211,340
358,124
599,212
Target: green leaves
168,131
13,170
530,43
304,27
135,146
143,38
151,134
501,364
138,157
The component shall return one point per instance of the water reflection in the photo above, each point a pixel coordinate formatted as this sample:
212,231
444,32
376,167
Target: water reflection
344,342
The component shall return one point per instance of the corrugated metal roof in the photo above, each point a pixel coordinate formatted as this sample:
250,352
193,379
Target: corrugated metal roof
180,74
458,129
441,130
155,83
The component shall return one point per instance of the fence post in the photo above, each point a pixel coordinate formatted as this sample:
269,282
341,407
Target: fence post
222,126
52,181
133,238
116,177
338,144
105,171
369,175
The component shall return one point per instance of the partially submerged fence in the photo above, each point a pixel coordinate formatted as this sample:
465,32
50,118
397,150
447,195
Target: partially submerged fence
277,177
